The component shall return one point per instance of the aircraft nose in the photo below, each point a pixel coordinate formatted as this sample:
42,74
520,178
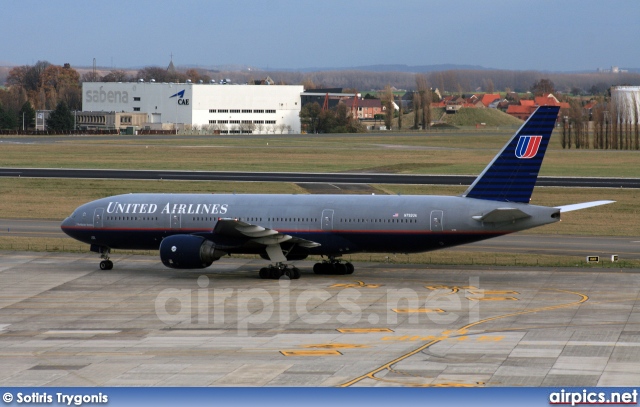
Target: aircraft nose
67,223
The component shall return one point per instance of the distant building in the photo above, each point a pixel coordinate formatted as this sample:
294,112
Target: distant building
489,98
109,120
366,108
333,96
526,107
225,108
41,119
613,69
626,103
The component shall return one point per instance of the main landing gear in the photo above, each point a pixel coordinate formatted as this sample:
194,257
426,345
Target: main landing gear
333,266
278,270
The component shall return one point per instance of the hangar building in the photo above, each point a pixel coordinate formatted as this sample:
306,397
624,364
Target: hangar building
224,108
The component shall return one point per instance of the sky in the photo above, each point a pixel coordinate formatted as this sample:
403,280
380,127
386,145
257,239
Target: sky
546,35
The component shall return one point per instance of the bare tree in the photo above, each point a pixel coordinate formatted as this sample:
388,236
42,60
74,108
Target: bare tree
416,110
387,103
308,84
543,87
614,118
90,77
115,75
400,112
247,126
424,91
489,88
636,121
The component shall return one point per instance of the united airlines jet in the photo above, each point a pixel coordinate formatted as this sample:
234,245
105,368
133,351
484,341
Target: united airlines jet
193,230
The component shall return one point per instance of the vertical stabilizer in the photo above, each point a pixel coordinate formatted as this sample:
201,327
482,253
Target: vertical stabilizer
512,174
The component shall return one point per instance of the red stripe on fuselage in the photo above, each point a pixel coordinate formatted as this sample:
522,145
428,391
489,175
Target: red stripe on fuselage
293,231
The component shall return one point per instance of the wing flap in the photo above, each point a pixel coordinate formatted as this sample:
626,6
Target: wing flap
239,229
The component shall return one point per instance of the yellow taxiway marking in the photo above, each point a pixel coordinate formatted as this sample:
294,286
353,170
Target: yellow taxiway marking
416,310
362,330
311,353
357,284
414,338
491,295
388,366
493,299
453,289
472,290
336,346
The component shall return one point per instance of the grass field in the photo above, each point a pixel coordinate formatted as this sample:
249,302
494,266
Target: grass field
56,198
460,153
466,153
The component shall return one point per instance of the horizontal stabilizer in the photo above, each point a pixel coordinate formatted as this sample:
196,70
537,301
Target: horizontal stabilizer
501,215
584,205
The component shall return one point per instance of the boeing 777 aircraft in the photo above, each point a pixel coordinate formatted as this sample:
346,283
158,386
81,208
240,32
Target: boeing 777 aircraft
194,230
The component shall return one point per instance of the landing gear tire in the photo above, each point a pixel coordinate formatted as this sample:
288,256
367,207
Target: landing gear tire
350,268
340,269
333,267
104,251
275,272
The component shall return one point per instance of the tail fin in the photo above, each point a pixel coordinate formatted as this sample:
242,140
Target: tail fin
512,174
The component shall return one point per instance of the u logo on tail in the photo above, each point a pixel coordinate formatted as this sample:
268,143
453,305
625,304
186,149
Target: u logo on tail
528,146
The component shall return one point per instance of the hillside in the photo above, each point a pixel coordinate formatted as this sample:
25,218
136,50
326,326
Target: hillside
473,116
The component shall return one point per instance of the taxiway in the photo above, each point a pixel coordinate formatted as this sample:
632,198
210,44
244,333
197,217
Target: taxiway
63,322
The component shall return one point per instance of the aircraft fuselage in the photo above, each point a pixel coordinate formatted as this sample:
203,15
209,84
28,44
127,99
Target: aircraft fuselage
341,224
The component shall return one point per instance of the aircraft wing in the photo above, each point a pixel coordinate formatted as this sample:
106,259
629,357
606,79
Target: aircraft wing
584,205
239,229
501,215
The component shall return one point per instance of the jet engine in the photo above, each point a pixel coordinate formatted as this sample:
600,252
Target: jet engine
188,252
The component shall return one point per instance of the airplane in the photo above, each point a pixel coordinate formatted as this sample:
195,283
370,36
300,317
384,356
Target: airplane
191,231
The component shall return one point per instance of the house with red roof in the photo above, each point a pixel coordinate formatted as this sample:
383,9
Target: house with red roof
368,108
521,112
527,106
489,98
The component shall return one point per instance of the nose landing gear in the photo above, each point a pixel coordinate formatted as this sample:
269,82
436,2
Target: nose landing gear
105,264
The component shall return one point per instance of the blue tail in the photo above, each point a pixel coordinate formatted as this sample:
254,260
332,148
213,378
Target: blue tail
512,174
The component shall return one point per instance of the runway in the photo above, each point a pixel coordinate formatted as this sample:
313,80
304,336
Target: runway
331,178
560,245
63,322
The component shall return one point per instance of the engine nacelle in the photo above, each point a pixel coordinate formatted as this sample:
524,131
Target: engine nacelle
188,252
